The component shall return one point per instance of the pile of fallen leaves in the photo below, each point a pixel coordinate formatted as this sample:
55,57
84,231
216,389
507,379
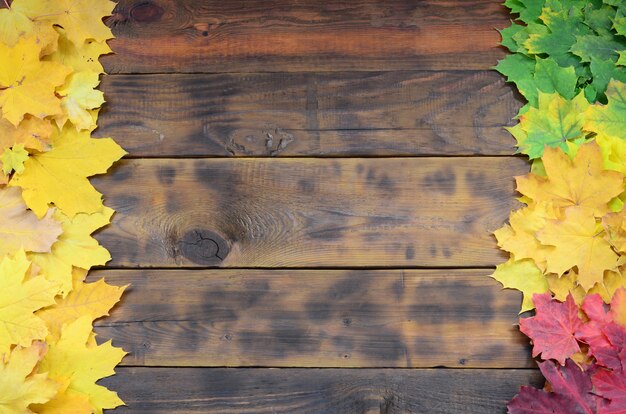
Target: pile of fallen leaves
49,358
567,244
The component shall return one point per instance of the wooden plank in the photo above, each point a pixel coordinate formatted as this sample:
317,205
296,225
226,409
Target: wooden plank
316,318
289,35
325,391
307,212
319,114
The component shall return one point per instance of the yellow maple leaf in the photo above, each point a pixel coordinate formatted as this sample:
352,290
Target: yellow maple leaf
64,402
562,286
578,241
20,228
80,59
78,97
613,280
27,85
13,159
82,20
581,182
19,385
519,239
524,276
615,226
73,358
32,132
92,299
59,176
613,152
20,297
74,248
14,25
618,307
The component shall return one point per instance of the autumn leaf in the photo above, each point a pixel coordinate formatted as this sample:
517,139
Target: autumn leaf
553,327
20,297
13,159
578,241
524,276
581,182
519,238
82,58
33,133
571,392
78,97
553,123
19,385
71,357
27,85
609,119
92,299
74,248
20,228
59,176
82,20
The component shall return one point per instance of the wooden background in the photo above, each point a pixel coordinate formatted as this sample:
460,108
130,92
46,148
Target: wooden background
305,213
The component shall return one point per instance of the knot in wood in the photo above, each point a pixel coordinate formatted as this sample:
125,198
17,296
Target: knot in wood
203,247
146,12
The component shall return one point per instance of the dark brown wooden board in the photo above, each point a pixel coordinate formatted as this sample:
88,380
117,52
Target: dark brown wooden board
316,318
163,36
308,212
310,114
318,391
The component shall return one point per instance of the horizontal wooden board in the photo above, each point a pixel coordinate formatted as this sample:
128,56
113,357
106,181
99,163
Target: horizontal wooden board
314,114
316,318
288,35
306,212
324,391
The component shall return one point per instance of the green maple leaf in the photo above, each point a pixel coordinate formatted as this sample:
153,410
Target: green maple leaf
554,122
590,47
599,19
602,72
508,37
560,35
528,10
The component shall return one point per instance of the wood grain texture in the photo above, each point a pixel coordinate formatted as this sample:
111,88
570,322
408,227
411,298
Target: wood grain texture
288,35
314,114
316,318
259,212
323,391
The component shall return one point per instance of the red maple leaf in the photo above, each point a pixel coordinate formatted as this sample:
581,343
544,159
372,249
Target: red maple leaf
553,327
612,386
571,392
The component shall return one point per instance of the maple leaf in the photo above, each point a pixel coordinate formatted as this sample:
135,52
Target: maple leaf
27,85
73,358
581,182
20,228
578,241
524,276
93,299
615,227
602,71
593,47
519,239
609,119
82,58
562,286
553,327
82,20
79,96
613,152
19,386
618,307
612,386
75,247
32,132
20,297
605,338
553,123
13,159
571,392
59,176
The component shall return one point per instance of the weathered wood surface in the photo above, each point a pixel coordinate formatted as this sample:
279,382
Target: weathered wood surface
319,114
307,212
316,318
323,391
159,36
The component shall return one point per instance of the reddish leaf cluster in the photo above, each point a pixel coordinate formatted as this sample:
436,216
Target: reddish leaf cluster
584,357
